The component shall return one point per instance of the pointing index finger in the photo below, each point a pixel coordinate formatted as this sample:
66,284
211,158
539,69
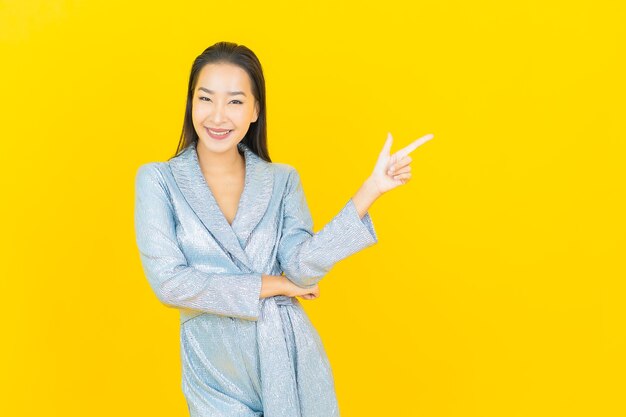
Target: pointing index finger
412,146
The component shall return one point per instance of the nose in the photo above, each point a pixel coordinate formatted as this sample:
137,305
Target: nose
217,114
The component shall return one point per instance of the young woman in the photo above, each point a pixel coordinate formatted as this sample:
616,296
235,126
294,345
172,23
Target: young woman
225,236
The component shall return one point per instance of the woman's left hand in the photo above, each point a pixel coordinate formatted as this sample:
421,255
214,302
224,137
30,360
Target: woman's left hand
394,170
312,295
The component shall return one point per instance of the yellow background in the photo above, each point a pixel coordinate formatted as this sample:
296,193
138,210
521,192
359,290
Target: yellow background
497,286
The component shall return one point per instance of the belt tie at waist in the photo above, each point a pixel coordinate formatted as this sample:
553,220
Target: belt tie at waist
284,300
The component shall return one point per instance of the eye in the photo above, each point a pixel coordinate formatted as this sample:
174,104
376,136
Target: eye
201,98
238,102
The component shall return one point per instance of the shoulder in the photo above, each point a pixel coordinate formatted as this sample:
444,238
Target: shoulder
282,169
287,178
285,174
151,174
151,169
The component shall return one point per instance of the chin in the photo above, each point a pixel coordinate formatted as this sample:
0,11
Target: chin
218,146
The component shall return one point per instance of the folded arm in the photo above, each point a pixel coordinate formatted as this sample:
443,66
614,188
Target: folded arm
175,283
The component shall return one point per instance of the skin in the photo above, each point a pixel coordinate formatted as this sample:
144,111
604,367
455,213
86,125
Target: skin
224,168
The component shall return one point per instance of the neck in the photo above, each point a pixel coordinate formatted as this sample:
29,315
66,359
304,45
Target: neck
223,163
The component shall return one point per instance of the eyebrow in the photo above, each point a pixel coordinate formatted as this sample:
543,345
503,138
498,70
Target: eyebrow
232,93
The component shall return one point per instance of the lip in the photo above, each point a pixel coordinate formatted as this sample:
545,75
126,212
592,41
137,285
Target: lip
221,137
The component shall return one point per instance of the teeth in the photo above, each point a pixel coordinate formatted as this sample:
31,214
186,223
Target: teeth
219,133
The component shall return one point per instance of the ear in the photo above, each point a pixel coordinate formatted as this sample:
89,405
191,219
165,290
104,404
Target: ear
256,112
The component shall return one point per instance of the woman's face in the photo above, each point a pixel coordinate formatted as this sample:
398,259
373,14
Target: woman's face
223,100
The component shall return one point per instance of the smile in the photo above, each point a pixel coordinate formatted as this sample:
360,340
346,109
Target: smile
218,135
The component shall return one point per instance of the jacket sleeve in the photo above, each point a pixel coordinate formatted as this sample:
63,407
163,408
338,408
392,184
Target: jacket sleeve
175,283
306,257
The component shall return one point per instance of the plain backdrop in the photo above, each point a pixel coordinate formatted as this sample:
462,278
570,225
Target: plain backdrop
497,286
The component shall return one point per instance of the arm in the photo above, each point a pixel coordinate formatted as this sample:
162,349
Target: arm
175,283
274,285
306,257
365,197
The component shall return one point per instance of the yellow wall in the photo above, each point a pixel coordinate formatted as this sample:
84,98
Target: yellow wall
497,287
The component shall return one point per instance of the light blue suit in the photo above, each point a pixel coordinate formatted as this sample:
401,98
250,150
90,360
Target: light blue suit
242,356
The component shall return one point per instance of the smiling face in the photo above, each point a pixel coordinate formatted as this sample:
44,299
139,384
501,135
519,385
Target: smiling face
223,102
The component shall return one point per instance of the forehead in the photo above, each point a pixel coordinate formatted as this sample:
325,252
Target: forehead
223,77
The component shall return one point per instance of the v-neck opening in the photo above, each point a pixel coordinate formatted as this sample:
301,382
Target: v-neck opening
243,191
253,202
242,196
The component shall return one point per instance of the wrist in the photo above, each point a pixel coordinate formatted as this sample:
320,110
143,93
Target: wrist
365,196
286,286
370,189
272,285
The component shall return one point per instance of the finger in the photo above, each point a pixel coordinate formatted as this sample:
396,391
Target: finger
402,170
387,147
396,165
411,147
394,159
402,177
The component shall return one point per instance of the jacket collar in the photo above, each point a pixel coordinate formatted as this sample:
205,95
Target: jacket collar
255,198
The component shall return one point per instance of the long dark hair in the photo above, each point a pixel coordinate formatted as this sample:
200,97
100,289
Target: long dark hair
240,55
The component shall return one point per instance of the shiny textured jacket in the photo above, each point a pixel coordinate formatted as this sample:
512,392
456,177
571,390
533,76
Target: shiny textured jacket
242,355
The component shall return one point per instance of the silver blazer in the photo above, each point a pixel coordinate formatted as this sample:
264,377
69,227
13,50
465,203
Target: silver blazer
242,355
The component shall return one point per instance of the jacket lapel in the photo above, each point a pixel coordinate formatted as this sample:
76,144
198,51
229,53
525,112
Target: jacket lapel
253,203
256,195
